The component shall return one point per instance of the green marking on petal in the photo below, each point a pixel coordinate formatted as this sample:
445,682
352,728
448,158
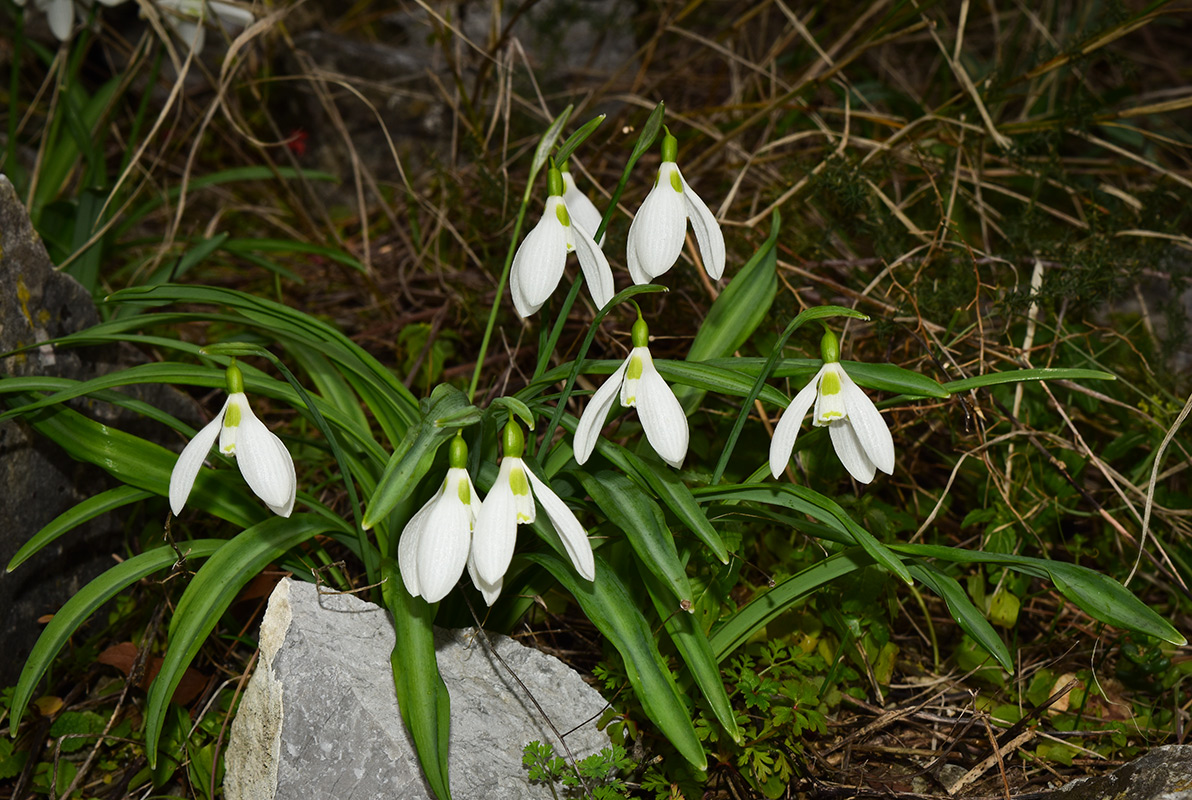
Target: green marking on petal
829,384
635,368
465,494
518,482
676,182
564,217
232,416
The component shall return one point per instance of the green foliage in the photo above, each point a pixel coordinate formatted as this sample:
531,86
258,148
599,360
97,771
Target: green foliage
597,776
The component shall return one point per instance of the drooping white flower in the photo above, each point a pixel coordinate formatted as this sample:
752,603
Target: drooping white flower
437,541
657,233
263,460
188,18
639,385
511,503
538,263
859,434
583,211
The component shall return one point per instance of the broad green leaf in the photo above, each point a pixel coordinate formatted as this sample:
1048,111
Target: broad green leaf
84,603
665,483
421,693
692,644
751,618
1105,599
67,521
610,607
576,139
815,505
883,377
1020,375
446,411
970,620
211,591
737,312
639,518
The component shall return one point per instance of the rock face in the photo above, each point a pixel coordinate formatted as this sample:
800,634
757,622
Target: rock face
1164,773
39,482
320,717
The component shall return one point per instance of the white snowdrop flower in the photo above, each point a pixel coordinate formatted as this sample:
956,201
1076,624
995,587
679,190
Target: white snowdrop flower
859,433
657,233
538,263
437,541
188,18
639,385
511,503
263,460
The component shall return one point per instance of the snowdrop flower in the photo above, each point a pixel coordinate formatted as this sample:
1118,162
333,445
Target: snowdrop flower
264,461
860,435
657,233
187,18
437,541
639,384
511,503
583,211
538,263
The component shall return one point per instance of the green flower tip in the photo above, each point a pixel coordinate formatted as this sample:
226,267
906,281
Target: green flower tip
458,456
514,441
234,378
640,333
829,347
554,182
670,146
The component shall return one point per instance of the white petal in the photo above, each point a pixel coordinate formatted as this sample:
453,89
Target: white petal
572,534
407,546
850,452
489,591
597,272
538,263
868,424
582,210
230,15
443,547
264,461
639,276
191,33
60,15
708,235
657,232
592,420
661,414
186,468
787,429
496,529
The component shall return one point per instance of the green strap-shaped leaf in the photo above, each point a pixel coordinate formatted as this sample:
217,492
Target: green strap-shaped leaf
758,612
84,603
1020,375
421,692
639,518
692,644
447,410
70,519
608,604
814,504
737,312
674,494
970,620
883,377
211,591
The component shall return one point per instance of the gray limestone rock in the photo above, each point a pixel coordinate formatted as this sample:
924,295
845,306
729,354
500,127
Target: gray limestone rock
1164,773
320,717
39,482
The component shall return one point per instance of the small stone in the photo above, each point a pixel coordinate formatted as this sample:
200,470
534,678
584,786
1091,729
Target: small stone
319,717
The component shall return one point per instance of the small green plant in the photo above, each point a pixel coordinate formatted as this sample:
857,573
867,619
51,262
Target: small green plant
597,776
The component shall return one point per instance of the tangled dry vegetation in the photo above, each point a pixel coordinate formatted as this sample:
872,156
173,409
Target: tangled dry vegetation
996,185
